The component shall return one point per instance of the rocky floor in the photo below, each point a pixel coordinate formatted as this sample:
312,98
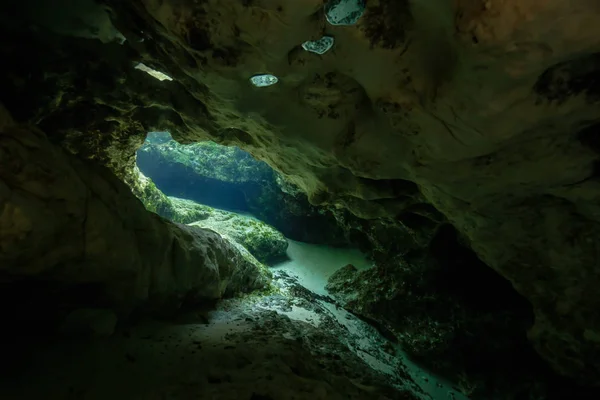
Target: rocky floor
290,344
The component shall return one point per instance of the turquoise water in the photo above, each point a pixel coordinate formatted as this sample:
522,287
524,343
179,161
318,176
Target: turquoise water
314,264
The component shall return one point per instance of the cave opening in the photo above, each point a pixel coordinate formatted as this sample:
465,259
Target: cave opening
205,172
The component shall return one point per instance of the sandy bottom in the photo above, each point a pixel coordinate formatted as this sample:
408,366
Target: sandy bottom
311,266
293,344
314,264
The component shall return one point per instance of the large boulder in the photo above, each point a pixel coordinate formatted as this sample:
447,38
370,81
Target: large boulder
263,241
68,223
154,200
452,315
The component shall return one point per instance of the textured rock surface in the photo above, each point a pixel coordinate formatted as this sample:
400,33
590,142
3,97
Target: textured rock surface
227,177
69,223
263,241
187,211
449,317
89,322
488,110
156,201
246,350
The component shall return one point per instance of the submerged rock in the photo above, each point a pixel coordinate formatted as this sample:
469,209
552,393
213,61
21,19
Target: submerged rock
344,12
263,241
187,211
320,46
95,242
264,80
154,200
448,316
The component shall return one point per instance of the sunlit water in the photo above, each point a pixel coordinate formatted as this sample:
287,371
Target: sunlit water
314,264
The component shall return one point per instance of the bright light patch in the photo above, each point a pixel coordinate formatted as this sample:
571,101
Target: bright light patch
264,80
320,46
156,74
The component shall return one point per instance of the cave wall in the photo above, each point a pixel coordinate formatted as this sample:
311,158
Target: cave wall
485,110
478,103
66,223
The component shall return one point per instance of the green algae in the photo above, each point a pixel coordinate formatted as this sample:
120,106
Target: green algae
261,240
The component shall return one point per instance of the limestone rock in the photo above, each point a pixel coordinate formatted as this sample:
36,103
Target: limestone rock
71,223
263,241
448,317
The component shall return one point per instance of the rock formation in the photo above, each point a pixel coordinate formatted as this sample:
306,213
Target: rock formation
227,177
452,314
263,241
486,111
67,222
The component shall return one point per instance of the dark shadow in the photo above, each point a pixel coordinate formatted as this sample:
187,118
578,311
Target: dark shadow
496,346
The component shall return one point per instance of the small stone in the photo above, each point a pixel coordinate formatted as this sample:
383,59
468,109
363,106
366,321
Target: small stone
344,12
320,46
264,80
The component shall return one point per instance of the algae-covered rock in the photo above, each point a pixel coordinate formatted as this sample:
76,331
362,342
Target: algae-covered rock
394,298
154,200
227,177
187,211
263,241
449,313
78,231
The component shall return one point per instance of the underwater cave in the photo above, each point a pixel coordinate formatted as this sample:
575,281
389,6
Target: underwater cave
278,200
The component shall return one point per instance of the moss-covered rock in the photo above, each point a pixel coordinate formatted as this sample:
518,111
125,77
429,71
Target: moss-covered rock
449,312
187,211
78,238
154,200
262,240
207,159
